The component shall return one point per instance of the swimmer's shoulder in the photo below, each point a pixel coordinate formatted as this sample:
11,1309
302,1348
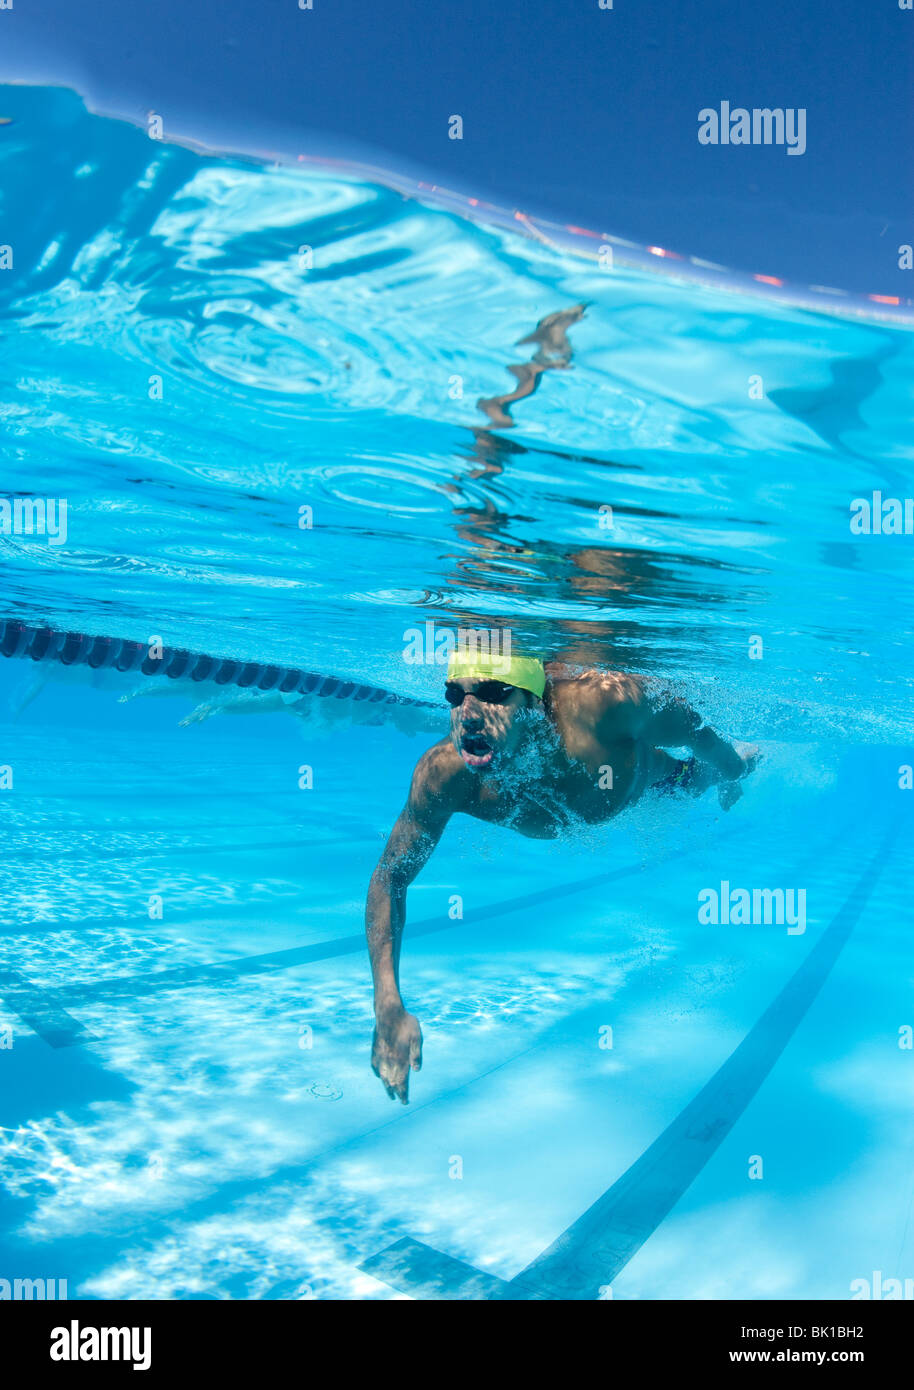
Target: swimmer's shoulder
593,691
440,780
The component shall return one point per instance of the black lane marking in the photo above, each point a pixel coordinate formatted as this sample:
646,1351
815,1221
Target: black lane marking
140,986
51,1022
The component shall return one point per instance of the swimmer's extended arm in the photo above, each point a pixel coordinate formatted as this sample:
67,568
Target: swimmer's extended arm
236,702
397,1043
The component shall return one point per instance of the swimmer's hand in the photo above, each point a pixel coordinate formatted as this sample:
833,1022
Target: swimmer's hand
396,1047
728,793
197,716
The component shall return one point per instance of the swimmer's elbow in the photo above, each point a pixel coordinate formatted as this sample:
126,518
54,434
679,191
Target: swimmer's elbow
392,875
674,724
383,878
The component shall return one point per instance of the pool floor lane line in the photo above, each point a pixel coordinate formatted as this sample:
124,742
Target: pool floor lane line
598,1245
49,1022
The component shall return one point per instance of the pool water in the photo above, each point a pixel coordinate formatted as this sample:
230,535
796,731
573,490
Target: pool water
275,454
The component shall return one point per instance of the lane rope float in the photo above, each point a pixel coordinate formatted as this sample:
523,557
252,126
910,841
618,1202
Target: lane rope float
18,639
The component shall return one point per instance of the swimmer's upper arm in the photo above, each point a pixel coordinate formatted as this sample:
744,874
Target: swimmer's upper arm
619,706
421,823
669,720
631,706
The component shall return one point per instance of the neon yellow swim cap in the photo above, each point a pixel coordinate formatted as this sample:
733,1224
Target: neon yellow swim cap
523,671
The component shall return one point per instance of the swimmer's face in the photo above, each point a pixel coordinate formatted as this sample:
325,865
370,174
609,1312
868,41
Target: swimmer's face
487,720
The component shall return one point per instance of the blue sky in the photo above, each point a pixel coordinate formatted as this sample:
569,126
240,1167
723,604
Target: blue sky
588,114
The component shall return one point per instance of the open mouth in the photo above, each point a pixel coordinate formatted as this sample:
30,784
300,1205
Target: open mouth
476,751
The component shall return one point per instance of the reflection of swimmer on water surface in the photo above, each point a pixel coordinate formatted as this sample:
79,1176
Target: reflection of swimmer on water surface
551,336
553,352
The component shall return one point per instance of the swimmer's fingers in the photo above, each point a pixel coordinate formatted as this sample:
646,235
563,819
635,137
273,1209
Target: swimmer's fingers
392,1075
415,1051
197,716
383,1072
402,1091
751,755
395,1080
396,1048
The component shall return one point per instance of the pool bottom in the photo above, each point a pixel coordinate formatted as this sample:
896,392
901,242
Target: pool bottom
215,1131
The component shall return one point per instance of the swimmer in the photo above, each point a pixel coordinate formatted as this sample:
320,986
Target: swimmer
534,748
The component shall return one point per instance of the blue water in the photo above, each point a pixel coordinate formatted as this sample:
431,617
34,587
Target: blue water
173,368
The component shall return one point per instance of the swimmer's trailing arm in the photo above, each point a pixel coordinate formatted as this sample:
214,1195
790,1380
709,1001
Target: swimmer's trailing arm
673,723
397,1041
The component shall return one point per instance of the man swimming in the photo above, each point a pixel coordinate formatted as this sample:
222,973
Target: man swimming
535,748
